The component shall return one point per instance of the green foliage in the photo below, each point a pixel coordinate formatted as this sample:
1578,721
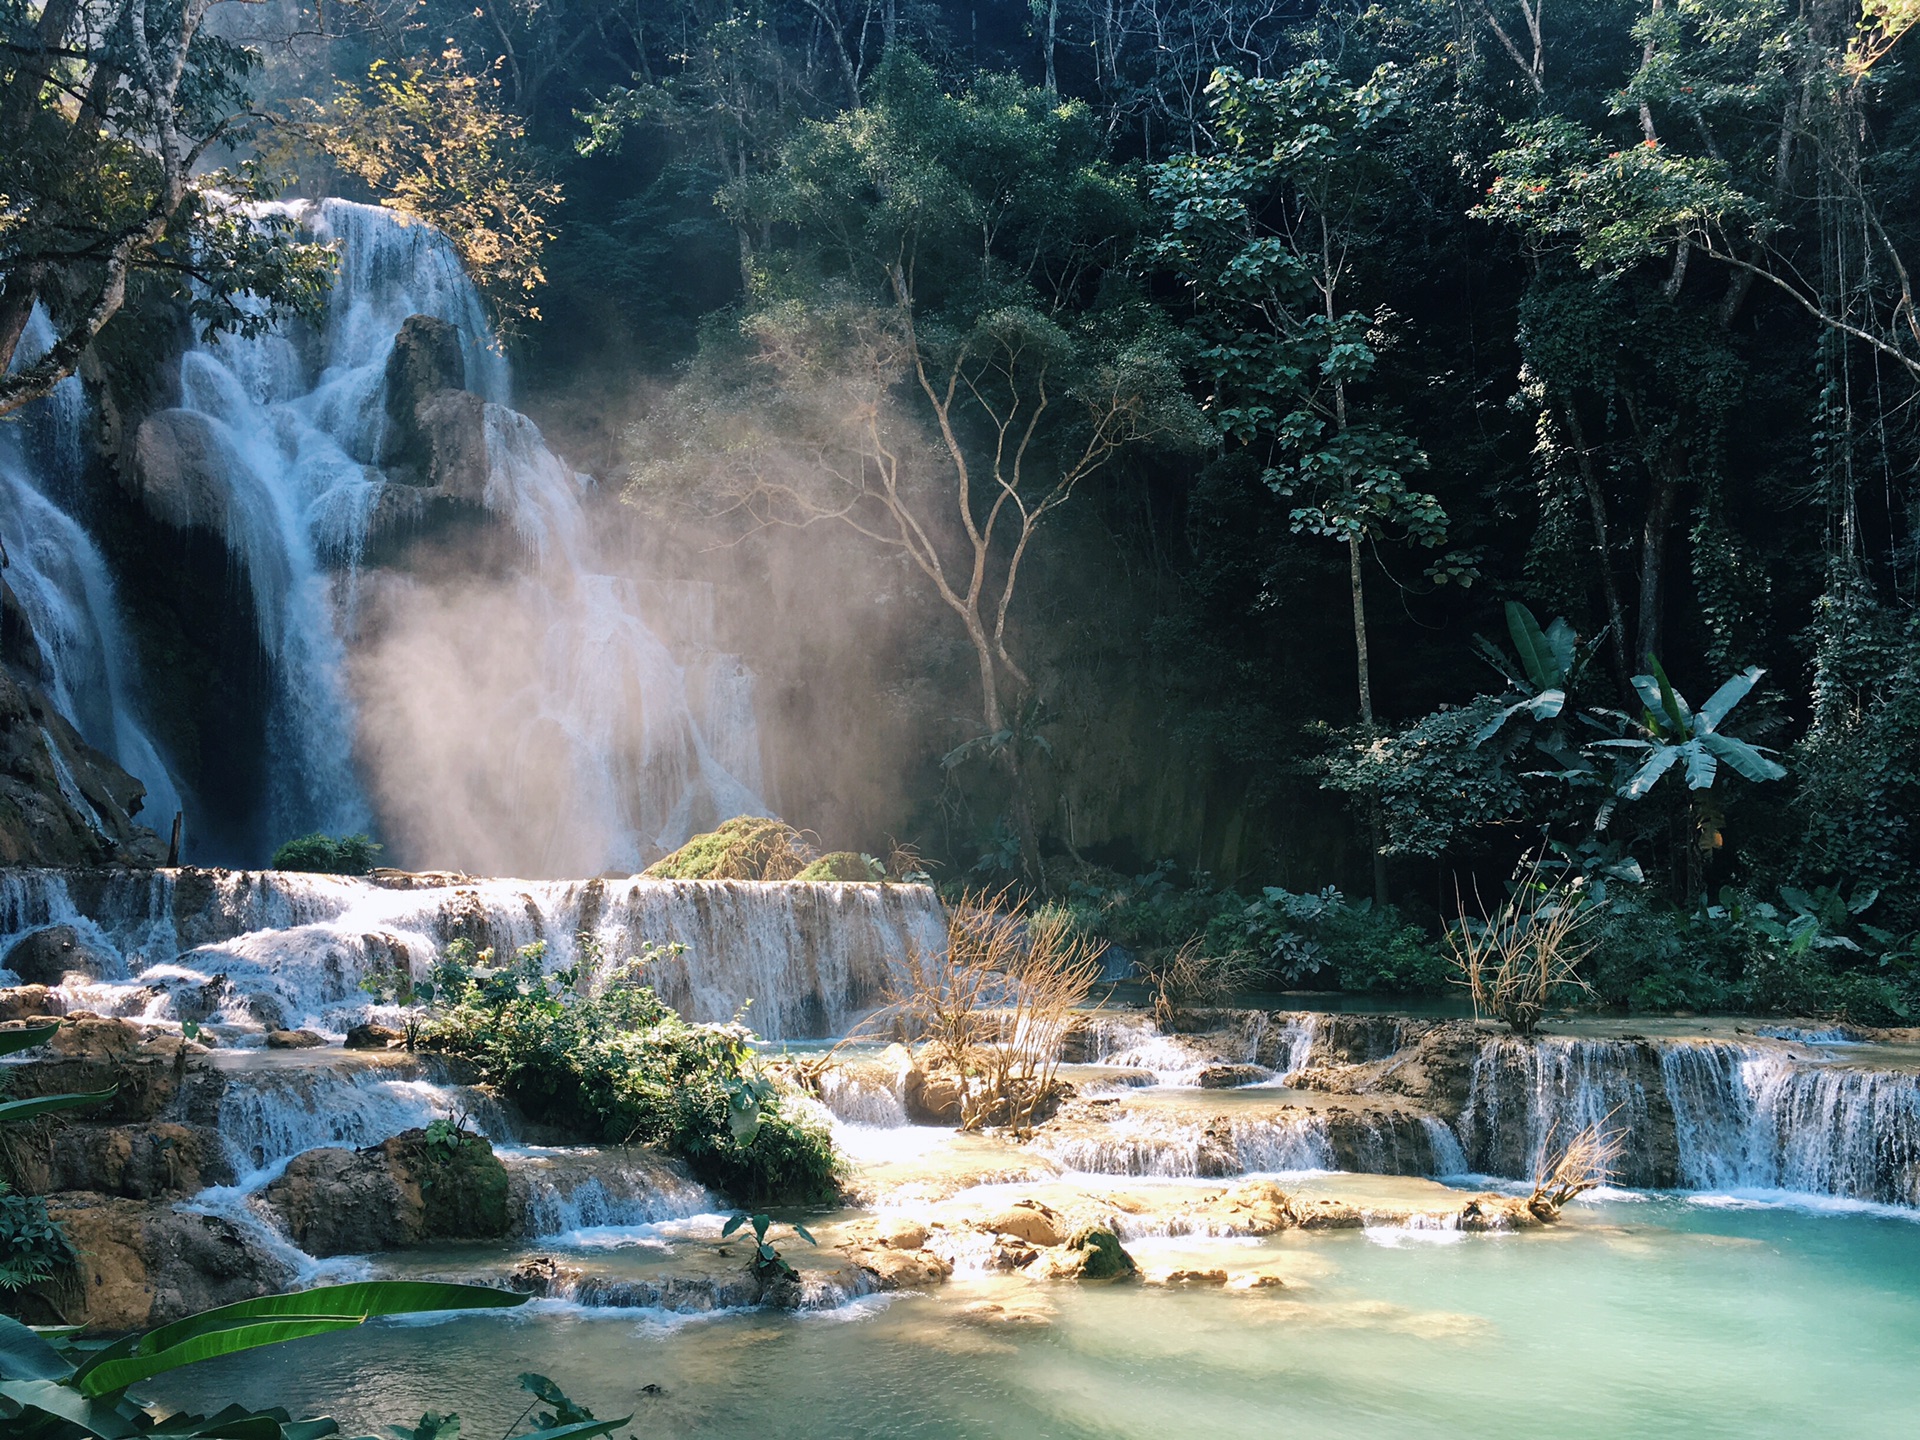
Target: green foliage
327,855
595,1051
844,865
54,1386
767,1263
32,1247
747,847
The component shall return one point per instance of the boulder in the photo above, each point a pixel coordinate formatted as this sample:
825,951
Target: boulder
46,957
932,1098
374,1037
1228,1077
294,1040
29,1002
144,1263
1026,1220
401,1192
1092,1253
426,358
182,469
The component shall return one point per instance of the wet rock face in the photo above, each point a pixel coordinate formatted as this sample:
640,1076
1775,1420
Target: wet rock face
401,1192
46,957
180,467
89,1053
144,1263
146,1161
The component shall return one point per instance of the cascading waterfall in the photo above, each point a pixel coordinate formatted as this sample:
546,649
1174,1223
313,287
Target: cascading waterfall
586,741
254,949
61,580
1530,1096
1748,1118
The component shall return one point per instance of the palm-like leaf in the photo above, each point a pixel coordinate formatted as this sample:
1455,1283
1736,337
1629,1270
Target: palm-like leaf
14,1041
16,1110
1535,650
1729,695
1745,760
1648,775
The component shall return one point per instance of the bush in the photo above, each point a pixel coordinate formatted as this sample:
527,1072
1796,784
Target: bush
594,1051
846,866
747,847
325,855
32,1247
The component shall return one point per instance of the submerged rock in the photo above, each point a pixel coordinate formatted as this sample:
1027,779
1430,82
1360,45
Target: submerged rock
294,1040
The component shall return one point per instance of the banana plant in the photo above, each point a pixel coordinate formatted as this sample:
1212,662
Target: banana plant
1550,660
57,1386
1675,735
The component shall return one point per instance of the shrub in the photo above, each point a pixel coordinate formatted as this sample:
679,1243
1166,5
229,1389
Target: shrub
747,847
846,866
326,855
595,1051
1524,958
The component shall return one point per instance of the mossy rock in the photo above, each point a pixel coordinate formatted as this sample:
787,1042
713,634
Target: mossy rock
842,865
747,847
463,1187
1105,1257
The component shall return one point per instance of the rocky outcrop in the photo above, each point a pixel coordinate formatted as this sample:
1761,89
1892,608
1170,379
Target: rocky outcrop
46,957
150,1160
144,1263
182,464
89,1053
61,801
404,1191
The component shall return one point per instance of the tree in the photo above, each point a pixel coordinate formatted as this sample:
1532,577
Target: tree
1267,234
432,141
935,360
109,110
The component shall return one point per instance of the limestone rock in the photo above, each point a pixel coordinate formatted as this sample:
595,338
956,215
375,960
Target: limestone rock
426,358
148,1161
1092,1253
48,956
27,1002
182,464
401,1192
1026,1220
88,1053
294,1040
932,1098
374,1037
146,1263
1228,1077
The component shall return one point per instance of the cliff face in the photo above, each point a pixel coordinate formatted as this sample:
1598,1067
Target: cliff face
61,801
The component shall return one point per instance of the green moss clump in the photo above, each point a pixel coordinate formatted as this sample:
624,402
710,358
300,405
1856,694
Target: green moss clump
747,847
843,865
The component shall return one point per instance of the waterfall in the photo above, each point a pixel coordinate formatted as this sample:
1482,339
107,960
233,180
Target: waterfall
562,1191
250,949
59,576
1754,1118
1529,1097
525,714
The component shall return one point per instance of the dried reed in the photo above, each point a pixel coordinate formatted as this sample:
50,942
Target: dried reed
1524,958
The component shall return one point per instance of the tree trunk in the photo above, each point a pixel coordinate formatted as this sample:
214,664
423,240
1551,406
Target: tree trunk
1609,587
1364,667
1653,554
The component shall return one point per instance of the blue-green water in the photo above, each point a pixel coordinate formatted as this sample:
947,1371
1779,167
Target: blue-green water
1636,1317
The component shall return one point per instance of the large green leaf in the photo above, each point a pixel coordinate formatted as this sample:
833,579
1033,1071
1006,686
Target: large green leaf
1536,653
361,1300
14,1041
15,1110
236,1422
1701,765
1676,708
26,1356
1729,695
115,1375
63,1401
1648,775
579,1430
1565,646
1744,758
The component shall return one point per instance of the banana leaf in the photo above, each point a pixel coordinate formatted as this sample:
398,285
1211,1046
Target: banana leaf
14,1041
16,1110
111,1376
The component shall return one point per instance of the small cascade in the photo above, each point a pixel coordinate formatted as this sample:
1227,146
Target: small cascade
1448,1157
1165,1148
265,949
564,1191
1288,1048
864,1097
270,1113
1527,1097
1753,1118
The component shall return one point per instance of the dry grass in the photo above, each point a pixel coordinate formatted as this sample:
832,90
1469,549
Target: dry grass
747,847
1524,958
994,1008
1191,977
1587,1161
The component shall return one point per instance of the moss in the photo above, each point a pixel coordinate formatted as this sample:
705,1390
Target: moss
842,865
747,847
463,1186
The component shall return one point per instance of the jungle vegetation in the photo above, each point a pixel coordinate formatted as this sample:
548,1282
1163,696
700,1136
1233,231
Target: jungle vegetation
1483,428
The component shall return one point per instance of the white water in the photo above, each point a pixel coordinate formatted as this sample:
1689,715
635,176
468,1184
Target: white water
1753,1119
250,950
60,578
